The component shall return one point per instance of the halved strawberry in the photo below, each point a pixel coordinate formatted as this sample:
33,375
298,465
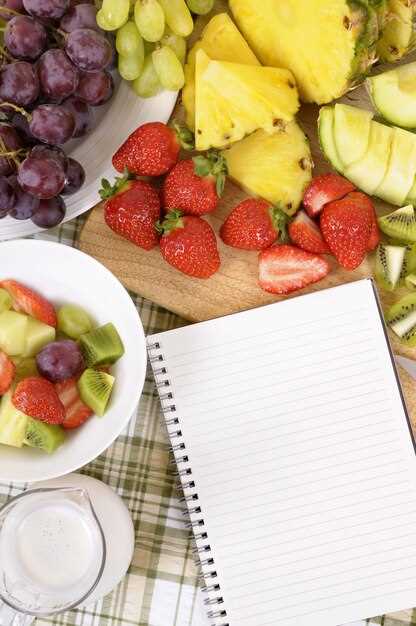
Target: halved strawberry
37,398
305,233
7,372
323,189
30,302
368,203
283,269
76,412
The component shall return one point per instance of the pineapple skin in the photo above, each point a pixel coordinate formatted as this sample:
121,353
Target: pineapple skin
276,167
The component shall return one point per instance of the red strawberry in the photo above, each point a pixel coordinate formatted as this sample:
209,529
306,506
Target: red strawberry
323,189
346,226
7,372
30,302
375,231
305,233
76,412
132,210
37,398
152,149
194,186
254,224
283,269
189,244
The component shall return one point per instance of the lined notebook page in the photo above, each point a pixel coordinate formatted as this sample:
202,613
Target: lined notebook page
302,458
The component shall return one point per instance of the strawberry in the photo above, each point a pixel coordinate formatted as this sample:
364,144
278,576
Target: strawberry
323,189
76,412
254,224
189,244
7,372
375,231
305,233
346,226
30,302
284,268
152,149
194,186
132,210
37,398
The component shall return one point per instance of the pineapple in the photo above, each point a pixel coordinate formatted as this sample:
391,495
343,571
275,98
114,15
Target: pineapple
397,37
233,100
276,166
222,41
329,45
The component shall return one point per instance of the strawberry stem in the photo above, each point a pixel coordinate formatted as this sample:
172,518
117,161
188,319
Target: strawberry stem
185,136
173,220
108,190
213,164
280,221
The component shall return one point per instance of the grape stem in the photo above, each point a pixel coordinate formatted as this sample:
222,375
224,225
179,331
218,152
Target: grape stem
7,10
5,54
14,155
18,109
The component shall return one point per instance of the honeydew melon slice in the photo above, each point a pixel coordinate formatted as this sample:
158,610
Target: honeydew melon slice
326,137
393,94
401,169
351,133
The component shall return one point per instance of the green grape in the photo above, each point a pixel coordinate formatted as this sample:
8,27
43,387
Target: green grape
148,84
150,19
102,21
129,41
178,17
5,300
130,67
177,43
200,7
73,321
168,68
114,13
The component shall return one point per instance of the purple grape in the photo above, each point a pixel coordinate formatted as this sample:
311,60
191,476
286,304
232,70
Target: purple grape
52,152
19,83
60,360
74,3
88,50
80,16
75,177
52,124
58,77
49,213
42,176
82,115
21,124
25,38
11,143
25,204
53,9
96,88
7,196
14,5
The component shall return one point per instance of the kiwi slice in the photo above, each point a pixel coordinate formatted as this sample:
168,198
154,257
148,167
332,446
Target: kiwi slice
95,390
102,346
390,265
47,437
400,224
401,318
410,282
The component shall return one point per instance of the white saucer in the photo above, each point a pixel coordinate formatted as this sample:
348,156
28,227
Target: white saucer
117,526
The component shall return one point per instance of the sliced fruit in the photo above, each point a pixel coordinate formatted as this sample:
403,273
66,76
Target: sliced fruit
400,224
305,233
410,282
13,332
7,372
393,94
47,437
222,41
401,169
397,38
411,198
327,44
411,258
5,300
38,335
276,167
326,137
74,321
37,398
283,269
25,368
30,302
233,100
13,423
102,346
401,318
351,133
323,189
390,263
76,412
95,390
366,201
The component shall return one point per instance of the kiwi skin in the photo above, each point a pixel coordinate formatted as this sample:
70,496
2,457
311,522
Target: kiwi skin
95,389
47,437
400,224
102,346
400,311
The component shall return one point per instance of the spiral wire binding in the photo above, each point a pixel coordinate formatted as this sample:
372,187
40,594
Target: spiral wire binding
188,490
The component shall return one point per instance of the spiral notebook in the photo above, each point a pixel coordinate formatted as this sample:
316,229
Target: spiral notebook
296,458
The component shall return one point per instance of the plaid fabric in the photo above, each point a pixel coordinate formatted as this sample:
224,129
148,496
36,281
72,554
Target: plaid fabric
161,588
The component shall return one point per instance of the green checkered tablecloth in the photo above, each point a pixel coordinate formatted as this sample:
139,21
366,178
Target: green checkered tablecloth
161,588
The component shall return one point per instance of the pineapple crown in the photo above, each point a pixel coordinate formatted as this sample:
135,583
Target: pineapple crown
280,222
108,190
185,136
212,164
173,220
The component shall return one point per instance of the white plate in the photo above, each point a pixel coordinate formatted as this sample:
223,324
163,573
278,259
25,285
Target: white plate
65,275
116,120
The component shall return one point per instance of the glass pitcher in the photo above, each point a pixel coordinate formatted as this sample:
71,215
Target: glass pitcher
52,554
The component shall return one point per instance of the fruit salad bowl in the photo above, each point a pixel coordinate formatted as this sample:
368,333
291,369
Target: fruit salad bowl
64,275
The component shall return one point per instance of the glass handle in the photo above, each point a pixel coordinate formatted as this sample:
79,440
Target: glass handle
10,617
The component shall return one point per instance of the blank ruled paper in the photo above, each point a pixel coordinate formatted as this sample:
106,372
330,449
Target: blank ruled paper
298,445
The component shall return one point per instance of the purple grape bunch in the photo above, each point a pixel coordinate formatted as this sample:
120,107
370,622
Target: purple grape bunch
55,69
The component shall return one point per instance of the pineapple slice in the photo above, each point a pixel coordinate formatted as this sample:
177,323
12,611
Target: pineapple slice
222,41
233,100
277,166
397,37
327,44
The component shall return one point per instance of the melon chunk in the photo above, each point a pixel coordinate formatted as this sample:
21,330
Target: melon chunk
38,335
401,169
394,95
369,172
351,132
13,332
326,137
12,423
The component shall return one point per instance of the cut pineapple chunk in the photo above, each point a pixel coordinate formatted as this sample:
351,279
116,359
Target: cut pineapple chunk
327,44
401,169
369,172
233,100
394,95
326,137
351,132
397,37
222,41
277,166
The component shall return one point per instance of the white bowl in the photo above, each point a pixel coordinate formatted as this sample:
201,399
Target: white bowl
65,275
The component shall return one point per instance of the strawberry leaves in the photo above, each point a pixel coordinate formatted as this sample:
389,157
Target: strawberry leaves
213,164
